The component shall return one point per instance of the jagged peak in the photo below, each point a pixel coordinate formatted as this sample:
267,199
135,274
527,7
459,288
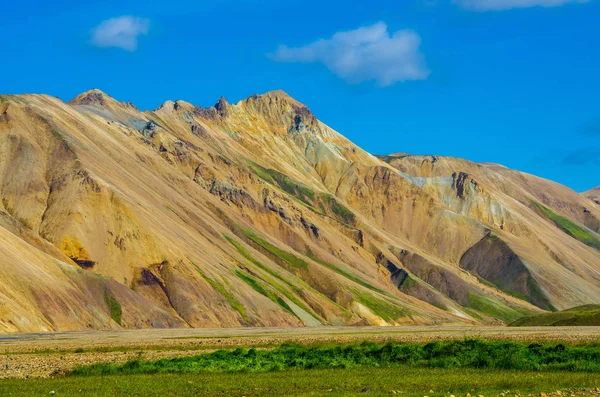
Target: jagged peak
222,107
92,97
276,101
166,105
274,96
221,103
130,104
218,110
98,97
280,108
278,94
170,105
94,91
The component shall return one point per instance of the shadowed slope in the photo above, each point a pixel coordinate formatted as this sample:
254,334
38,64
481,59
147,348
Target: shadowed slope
548,229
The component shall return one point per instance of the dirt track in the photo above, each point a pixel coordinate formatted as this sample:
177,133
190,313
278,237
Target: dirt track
42,355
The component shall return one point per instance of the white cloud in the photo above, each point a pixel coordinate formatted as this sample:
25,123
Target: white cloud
121,32
496,5
367,53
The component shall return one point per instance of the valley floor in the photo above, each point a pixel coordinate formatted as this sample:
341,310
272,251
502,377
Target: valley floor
44,355
406,382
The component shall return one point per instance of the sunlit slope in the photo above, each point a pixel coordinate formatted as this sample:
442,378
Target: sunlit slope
258,214
593,194
544,240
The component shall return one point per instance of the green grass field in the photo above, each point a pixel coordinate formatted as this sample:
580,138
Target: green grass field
478,354
405,381
432,369
578,316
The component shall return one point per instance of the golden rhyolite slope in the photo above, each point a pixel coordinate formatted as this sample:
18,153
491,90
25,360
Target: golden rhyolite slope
258,214
593,194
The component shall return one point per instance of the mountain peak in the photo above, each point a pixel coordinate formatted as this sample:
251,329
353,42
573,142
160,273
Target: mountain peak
274,96
281,109
218,110
278,93
222,106
91,97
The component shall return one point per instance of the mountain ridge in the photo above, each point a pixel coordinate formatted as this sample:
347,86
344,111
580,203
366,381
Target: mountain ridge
258,214
593,194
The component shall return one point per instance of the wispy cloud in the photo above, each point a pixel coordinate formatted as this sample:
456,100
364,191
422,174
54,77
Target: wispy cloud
497,5
592,128
120,32
367,53
584,156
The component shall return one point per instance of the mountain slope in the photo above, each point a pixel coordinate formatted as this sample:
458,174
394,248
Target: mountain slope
545,232
588,315
258,214
593,194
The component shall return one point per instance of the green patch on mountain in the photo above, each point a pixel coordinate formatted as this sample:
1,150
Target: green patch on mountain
326,202
572,229
537,295
13,98
114,307
421,290
260,287
287,257
492,308
287,184
497,265
381,307
299,289
269,271
588,315
225,293
251,259
343,272
342,213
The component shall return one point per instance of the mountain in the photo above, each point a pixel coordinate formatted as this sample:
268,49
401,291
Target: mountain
593,194
258,214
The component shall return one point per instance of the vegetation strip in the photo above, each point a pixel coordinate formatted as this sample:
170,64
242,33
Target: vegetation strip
226,293
588,315
344,273
457,354
114,307
569,227
372,382
287,257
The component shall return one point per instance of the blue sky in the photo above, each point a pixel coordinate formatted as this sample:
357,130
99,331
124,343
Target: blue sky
515,82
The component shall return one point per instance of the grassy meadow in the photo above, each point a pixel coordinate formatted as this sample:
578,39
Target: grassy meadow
432,369
578,316
401,381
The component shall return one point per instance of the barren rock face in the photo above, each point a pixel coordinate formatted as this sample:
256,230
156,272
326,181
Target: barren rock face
258,214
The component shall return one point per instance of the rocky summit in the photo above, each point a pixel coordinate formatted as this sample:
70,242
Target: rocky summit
257,214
